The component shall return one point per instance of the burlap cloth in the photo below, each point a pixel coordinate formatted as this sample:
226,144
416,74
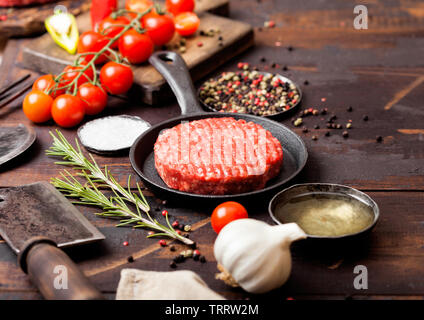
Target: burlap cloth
175,285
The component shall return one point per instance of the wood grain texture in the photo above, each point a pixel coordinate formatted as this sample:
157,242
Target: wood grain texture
366,70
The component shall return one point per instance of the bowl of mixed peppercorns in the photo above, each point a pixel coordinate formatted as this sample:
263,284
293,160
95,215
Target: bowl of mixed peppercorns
250,91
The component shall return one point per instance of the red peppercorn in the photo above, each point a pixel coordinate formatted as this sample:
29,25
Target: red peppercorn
162,243
196,252
240,65
178,231
175,224
271,24
200,44
165,213
125,243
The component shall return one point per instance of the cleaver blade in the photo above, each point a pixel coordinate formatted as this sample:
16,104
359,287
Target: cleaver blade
39,209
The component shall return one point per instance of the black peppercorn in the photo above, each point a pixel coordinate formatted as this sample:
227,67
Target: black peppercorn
285,68
130,259
379,138
263,59
290,48
178,259
314,138
202,259
304,129
193,245
365,118
173,265
316,127
172,248
349,109
327,134
345,134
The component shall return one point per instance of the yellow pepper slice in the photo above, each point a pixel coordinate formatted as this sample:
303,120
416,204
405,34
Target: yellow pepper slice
63,29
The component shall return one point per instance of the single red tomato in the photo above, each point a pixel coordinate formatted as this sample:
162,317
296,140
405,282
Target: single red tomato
179,6
136,47
71,72
93,97
110,28
45,83
160,27
138,5
67,110
116,78
37,106
225,213
91,41
186,23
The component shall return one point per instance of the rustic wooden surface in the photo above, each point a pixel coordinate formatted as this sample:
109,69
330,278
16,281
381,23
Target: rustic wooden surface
379,72
43,55
27,21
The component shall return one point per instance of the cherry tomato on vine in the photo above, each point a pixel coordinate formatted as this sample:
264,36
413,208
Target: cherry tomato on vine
116,78
179,6
67,110
136,47
71,72
37,106
160,27
45,83
110,28
225,213
186,23
93,97
138,5
91,41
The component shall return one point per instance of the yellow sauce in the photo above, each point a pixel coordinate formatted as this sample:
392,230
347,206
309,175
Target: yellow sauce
326,215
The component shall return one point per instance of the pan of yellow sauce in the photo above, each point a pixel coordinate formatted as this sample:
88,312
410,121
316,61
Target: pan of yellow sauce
325,210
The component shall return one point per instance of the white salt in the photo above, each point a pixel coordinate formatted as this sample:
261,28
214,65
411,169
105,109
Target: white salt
112,133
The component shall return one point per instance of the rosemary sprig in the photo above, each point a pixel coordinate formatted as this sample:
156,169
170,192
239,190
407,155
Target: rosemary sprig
90,194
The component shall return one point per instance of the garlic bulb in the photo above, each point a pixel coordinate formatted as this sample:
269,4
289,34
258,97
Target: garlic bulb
255,254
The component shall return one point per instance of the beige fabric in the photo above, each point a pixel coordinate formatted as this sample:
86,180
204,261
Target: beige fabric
175,285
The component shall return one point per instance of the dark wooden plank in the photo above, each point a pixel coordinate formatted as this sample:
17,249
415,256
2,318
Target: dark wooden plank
393,255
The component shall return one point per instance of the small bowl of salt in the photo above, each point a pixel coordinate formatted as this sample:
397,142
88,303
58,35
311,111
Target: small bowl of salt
111,135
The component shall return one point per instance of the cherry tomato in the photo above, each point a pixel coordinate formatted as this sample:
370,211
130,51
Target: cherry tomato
138,5
71,72
93,97
179,6
45,83
160,27
225,213
136,47
186,23
37,106
116,78
67,110
91,41
110,28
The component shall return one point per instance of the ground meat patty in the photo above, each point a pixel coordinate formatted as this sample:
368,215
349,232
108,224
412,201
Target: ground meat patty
22,3
217,156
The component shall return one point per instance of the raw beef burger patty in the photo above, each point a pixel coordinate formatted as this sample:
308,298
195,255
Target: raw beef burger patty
21,3
217,156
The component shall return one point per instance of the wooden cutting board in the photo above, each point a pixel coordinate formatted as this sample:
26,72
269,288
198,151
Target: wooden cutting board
203,55
28,21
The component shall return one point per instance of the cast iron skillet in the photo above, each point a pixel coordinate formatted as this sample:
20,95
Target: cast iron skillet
174,70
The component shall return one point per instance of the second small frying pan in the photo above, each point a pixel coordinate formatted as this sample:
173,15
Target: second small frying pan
174,70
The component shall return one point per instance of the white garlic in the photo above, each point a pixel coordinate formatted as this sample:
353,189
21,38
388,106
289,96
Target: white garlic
255,254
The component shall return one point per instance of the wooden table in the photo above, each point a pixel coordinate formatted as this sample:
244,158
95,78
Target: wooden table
379,72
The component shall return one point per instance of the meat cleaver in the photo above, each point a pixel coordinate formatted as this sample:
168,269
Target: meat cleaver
36,220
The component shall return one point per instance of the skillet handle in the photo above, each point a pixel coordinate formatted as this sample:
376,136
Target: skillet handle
174,69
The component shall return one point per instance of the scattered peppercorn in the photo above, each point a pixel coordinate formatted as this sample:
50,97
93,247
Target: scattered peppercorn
187,228
164,213
172,248
349,109
314,138
365,118
345,134
316,127
285,68
379,139
175,224
193,245
181,226
130,259
162,243
324,111
173,265
348,125
200,44
125,243
179,259
290,48
202,259
339,126
306,82
327,134
263,59
164,202
305,130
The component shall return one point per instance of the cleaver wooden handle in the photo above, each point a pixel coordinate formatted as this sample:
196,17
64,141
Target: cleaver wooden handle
54,273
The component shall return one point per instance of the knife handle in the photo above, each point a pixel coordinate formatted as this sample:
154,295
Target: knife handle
54,273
